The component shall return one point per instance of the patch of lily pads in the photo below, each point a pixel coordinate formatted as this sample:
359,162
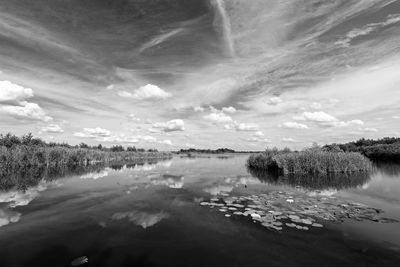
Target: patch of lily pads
279,210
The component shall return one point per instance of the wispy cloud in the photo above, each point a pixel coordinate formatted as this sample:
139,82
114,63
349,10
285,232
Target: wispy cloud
93,133
367,29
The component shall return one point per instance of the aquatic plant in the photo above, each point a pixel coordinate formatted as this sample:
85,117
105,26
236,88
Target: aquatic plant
299,210
310,161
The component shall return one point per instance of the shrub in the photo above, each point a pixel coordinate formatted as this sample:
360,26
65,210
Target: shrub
387,148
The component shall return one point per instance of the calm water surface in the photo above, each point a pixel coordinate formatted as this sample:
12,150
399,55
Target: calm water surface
163,214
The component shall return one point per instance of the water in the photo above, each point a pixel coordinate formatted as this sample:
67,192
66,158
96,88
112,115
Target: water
157,214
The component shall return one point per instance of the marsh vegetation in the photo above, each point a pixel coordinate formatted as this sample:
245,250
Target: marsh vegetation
27,152
310,161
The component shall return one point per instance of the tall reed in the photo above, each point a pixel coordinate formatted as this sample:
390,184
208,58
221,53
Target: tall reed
23,156
312,161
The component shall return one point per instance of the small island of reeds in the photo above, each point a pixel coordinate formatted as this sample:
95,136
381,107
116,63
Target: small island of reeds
309,161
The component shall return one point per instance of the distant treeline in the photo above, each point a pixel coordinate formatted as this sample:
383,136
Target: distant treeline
207,151
9,140
387,148
25,152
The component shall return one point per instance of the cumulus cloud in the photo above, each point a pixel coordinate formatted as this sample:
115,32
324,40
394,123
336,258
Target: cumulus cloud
218,117
327,120
259,134
319,116
289,140
229,109
171,126
133,117
10,92
147,92
166,142
12,102
51,128
148,138
93,133
275,100
246,127
198,109
294,125
26,110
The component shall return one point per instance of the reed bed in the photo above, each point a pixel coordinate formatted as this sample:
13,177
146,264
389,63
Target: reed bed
22,155
312,161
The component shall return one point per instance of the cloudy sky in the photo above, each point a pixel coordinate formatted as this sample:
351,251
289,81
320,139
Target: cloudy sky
200,73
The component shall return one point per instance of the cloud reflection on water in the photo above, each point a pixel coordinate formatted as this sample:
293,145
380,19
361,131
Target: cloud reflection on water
95,175
140,218
8,216
17,198
171,181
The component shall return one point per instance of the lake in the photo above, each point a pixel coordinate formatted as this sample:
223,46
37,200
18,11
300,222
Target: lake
199,211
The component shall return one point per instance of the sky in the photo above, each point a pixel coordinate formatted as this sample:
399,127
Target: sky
172,74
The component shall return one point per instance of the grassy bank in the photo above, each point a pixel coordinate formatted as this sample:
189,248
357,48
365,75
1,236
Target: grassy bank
310,161
382,149
25,152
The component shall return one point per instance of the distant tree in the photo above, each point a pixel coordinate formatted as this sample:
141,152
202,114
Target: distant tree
27,139
9,140
117,148
83,145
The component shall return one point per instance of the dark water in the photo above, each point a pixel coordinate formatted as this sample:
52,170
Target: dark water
159,214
